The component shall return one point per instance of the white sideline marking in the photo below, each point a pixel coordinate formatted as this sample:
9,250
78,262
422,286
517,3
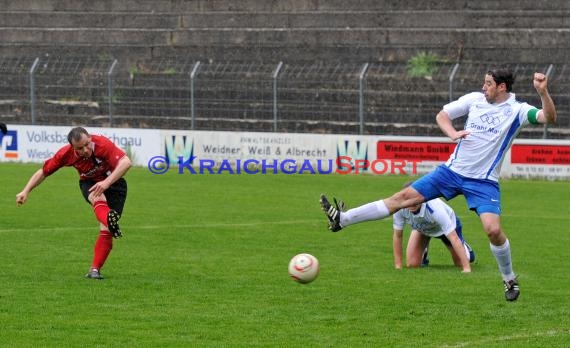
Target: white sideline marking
548,333
150,227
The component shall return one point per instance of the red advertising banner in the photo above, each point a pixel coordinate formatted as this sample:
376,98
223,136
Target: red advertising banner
540,154
406,150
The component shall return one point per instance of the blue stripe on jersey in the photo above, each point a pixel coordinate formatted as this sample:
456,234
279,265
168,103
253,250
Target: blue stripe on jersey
429,208
515,126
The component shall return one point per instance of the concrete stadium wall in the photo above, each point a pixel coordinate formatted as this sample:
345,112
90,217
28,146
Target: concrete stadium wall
364,30
270,31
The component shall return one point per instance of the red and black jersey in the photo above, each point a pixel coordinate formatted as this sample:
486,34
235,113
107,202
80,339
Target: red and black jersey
102,162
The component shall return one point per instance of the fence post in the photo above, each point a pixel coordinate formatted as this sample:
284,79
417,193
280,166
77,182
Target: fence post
451,78
193,74
110,91
545,130
275,75
361,80
33,90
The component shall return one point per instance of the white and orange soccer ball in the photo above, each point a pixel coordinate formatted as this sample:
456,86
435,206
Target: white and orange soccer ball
304,268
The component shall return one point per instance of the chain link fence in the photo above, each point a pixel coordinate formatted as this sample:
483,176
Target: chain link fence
302,97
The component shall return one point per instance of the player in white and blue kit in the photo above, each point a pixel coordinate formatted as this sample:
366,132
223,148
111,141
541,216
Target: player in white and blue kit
433,219
494,119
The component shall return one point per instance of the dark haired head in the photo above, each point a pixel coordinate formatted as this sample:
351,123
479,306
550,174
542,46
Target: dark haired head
75,134
503,75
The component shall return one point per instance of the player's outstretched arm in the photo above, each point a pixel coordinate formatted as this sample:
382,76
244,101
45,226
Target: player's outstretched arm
397,248
548,112
459,251
34,181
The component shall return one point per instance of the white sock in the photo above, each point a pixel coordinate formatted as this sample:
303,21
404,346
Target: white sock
503,256
371,211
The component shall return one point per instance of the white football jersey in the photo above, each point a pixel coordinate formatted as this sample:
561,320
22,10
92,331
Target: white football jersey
493,128
435,218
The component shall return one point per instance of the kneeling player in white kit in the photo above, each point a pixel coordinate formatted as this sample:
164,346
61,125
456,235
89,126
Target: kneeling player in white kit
432,219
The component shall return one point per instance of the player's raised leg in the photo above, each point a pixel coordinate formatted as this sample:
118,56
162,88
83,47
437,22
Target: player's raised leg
377,210
107,216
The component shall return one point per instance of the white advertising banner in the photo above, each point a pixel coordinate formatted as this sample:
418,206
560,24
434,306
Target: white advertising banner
529,158
347,154
304,153
251,153
38,143
234,152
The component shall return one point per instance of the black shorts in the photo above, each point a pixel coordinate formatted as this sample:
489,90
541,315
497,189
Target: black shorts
116,194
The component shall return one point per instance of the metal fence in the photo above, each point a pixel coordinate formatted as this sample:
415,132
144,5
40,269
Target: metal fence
348,98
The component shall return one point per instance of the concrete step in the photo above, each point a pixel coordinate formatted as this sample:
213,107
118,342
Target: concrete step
309,19
315,37
379,19
469,44
272,52
69,19
179,6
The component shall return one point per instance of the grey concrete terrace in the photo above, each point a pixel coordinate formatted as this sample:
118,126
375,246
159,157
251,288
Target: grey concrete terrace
178,6
347,19
298,33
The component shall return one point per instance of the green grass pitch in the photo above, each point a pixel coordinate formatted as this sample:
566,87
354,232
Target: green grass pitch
203,263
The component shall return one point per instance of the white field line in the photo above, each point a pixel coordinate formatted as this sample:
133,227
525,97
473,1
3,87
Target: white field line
211,225
513,337
152,227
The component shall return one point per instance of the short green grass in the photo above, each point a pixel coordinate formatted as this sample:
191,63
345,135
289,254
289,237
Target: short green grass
203,263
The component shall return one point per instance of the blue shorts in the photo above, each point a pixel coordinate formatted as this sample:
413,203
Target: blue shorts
482,195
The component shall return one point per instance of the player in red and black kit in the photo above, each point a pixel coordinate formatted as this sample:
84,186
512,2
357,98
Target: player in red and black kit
101,166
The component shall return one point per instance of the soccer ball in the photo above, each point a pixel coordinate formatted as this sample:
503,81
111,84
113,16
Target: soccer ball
304,268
